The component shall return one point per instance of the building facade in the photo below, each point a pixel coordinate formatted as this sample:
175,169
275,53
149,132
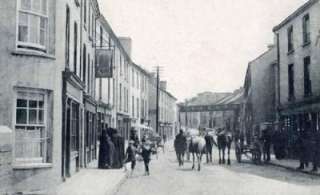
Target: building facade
298,88
259,107
167,109
139,100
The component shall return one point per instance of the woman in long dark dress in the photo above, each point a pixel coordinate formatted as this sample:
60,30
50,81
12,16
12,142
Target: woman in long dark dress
103,150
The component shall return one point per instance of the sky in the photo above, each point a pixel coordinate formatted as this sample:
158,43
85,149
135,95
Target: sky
202,45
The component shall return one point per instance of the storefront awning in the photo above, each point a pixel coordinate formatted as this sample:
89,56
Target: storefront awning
301,109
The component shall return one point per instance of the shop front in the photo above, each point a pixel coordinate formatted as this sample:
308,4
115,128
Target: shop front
123,125
90,130
72,120
298,119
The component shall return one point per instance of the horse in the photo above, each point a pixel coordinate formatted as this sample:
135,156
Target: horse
197,147
224,140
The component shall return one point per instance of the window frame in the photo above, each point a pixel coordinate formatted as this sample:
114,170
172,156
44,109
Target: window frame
306,33
290,39
291,87
28,45
307,84
47,156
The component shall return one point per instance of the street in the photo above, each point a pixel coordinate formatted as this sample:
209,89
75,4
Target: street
167,178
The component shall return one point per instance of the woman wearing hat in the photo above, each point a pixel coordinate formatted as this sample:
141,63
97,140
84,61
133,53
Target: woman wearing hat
146,155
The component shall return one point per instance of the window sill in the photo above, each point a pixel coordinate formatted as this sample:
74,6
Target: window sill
32,54
306,44
290,52
32,166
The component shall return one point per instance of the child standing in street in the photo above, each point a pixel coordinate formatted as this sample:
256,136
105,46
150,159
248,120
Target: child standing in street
131,156
146,155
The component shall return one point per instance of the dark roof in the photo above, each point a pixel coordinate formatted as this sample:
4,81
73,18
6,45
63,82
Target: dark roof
301,9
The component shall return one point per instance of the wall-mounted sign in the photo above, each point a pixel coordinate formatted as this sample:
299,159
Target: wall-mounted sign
208,108
104,63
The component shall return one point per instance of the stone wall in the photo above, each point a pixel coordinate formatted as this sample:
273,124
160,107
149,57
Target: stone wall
5,159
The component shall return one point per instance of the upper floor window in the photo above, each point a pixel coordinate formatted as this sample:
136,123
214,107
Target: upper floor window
85,12
307,79
291,82
290,39
75,47
33,24
67,43
133,80
306,29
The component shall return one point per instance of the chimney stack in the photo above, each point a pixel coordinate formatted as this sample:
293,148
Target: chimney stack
163,85
126,43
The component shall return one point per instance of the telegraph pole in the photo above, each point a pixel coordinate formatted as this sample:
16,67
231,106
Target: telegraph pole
157,100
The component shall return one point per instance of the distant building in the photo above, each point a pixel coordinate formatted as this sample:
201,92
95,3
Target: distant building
298,88
167,109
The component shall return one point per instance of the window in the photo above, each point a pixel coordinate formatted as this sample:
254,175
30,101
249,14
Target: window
89,20
74,125
133,106
127,100
290,39
33,24
31,133
120,99
291,81
307,80
306,29
67,43
84,62
93,24
137,80
142,108
133,80
89,71
138,108
85,12
101,36
75,47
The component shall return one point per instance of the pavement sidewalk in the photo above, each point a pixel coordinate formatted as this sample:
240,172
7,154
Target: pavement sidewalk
292,165
91,181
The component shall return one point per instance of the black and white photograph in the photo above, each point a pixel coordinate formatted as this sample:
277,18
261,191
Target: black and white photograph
159,97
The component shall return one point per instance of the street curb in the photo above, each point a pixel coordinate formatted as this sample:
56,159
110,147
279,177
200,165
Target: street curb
116,188
293,169
286,167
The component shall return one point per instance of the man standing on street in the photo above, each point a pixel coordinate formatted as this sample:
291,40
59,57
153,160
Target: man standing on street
180,146
209,145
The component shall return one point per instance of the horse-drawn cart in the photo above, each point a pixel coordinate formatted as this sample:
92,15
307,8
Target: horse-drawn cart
252,151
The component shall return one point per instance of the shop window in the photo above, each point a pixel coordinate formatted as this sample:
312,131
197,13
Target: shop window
32,24
31,130
74,133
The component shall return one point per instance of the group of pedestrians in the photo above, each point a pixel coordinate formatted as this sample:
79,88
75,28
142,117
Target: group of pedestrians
110,149
306,145
309,148
136,148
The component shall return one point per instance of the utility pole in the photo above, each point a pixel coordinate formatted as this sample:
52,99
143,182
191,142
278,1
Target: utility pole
157,100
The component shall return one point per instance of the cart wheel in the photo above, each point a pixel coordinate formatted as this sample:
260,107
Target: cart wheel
238,154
